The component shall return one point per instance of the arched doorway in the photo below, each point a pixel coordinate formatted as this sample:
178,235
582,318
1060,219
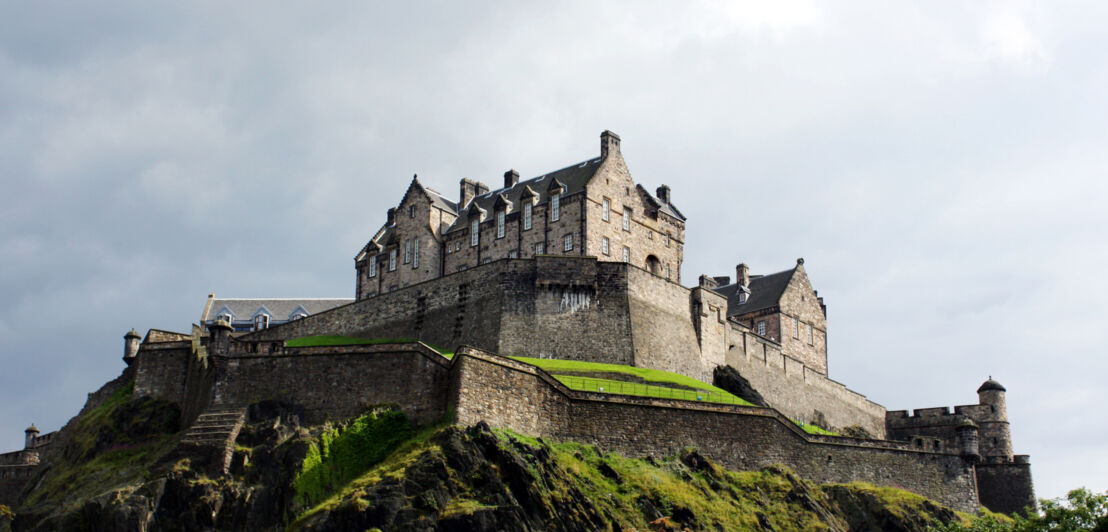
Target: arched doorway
653,265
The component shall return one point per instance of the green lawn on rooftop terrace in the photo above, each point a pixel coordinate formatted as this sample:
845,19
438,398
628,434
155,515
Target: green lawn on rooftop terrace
333,340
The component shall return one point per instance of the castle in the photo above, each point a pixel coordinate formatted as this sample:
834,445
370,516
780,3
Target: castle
579,264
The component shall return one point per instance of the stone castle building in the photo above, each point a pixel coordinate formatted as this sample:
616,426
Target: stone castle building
582,264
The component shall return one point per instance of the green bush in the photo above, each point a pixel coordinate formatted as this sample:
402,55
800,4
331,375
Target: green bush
1080,509
342,453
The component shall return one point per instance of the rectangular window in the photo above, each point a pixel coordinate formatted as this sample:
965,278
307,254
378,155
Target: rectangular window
261,321
539,249
527,216
796,328
568,243
761,328
604,246
626,218
667,271
500,224
407,251
513,254
555,207
626,254
415,253
392,260
606,214
668,238
811,336
373,267
474,232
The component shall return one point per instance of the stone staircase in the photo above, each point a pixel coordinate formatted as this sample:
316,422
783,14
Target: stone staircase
210,440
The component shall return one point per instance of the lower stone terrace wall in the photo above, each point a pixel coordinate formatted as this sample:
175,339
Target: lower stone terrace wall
797,390
338,382
161,370
12,481
505,393
1006,487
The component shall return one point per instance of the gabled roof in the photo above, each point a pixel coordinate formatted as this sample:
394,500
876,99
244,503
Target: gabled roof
765,292
574,178
662,206
279,309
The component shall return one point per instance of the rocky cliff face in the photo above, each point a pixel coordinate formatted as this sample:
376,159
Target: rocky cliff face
120,472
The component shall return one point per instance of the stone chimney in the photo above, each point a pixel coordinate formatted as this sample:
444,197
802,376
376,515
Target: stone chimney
511,178
482,188
468,189
32,433
609,143
742,275
391,217
131,346
663,194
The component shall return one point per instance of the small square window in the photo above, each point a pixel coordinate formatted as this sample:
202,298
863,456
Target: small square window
539,249
513,254
761,328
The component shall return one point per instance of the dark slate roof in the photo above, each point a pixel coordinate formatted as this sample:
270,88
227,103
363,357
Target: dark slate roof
439,201
990,385
279,309
663,207
765,292
574,178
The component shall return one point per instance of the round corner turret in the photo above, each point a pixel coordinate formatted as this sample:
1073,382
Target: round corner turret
32,433
131,342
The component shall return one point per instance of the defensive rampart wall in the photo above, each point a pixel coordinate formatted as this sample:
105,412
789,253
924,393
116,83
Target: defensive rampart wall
798,391
509,394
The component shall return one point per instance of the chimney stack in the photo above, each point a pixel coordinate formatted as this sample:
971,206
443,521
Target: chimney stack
391,217
742,275
609,143
468,190
482,188
663,194
511,178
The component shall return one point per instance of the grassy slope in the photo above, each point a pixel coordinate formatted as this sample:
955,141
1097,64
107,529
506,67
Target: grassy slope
721,499
334,340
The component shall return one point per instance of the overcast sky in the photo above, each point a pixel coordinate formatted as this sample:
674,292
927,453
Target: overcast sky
940,166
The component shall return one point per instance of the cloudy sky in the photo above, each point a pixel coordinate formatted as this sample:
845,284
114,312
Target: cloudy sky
940,166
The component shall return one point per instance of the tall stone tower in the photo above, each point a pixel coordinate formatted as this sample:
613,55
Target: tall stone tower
995,437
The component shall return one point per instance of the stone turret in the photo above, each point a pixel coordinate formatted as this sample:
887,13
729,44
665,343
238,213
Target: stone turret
995,437
32,433
220,336
966,433
131,342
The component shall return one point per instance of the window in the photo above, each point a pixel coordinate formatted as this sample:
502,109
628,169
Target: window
411,211
527,216
513,254
567,243
407,251
761,328
373,267
261,321
555,207
227,318
539,249
415,253
474,232
627,218
604,246
500,224
392,260
668,238
667,271
626,254
299,315
606,213
796,328
811,336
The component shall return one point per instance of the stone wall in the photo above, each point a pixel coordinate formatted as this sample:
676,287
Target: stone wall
161,369
801,310
663,332
796,390
524,399
338,382
1006,487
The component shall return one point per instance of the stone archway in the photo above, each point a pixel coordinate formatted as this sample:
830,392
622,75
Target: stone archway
653,265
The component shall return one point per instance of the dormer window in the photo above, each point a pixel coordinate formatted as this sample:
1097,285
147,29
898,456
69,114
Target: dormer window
527,216
500,224
392,260
474,232
226,317
299,315
373,266
261,321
